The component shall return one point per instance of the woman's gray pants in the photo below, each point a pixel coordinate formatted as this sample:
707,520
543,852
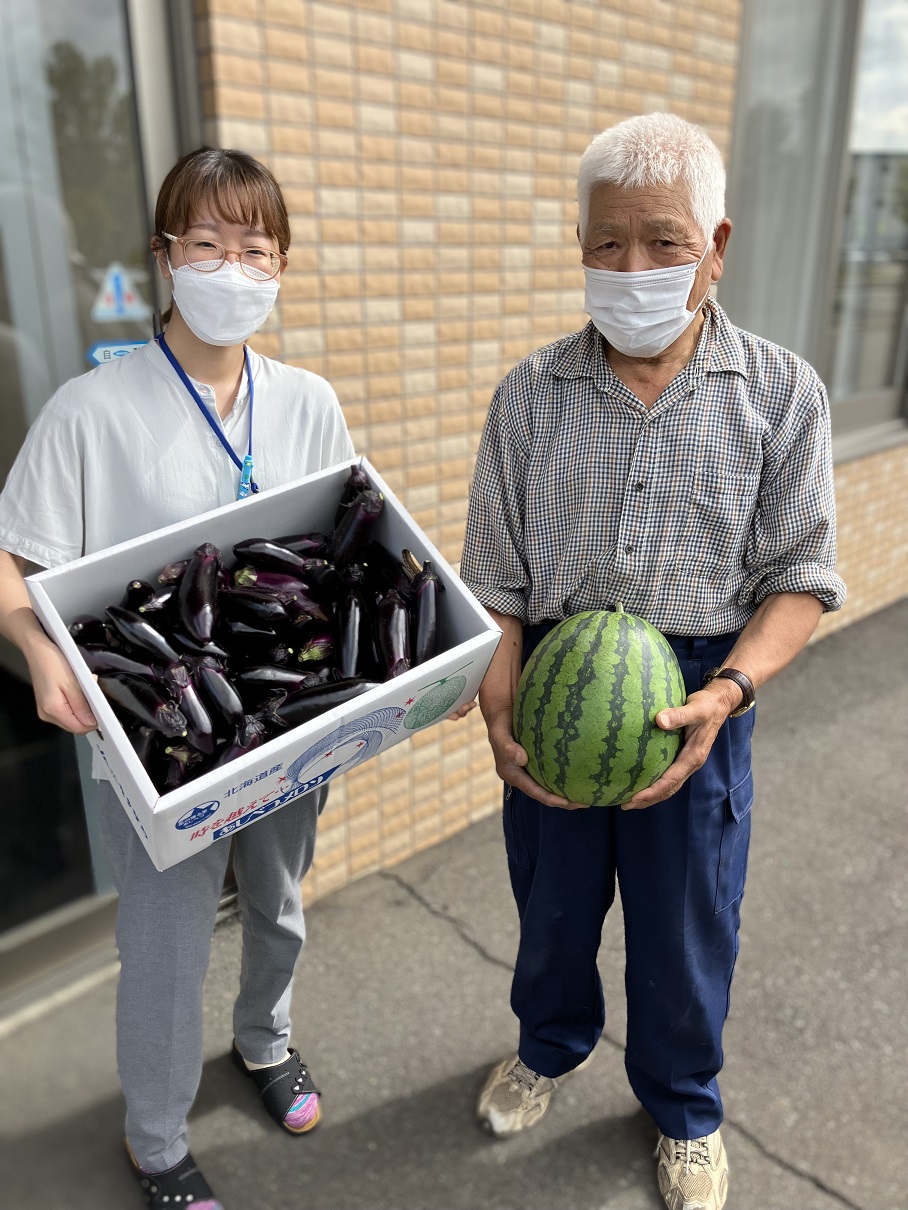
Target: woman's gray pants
164,927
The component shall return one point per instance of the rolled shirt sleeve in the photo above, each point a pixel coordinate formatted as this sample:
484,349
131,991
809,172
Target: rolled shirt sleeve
494,564
792,542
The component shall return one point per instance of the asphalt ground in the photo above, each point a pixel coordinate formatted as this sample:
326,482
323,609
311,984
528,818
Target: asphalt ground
402,1006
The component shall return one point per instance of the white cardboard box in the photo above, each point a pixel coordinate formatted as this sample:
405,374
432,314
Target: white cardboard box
175,825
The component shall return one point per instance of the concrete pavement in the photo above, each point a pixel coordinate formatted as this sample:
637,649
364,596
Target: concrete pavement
402,1005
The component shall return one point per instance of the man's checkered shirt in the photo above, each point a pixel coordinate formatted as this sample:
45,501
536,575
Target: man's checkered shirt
689,513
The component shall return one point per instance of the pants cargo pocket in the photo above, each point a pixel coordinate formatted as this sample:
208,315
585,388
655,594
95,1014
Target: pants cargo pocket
735,843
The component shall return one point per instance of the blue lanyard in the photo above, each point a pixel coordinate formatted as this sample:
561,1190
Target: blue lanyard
247,484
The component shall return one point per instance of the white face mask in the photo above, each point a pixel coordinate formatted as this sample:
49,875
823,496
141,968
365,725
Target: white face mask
641,314
224,307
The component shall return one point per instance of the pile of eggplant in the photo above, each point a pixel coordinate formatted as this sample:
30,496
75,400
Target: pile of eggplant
209,661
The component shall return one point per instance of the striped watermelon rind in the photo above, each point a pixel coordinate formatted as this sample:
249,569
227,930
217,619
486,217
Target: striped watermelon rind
586,706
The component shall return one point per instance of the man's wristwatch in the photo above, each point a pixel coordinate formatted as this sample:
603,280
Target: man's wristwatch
743,682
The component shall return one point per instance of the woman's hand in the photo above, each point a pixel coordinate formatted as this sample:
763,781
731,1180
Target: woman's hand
58,696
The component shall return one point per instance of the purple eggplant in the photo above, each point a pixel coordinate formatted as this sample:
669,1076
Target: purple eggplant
243,638
394,634
173,572
199,727
298,708
189,646
255,606
219,690
271,581
350,626
136,594
198,594
161,599
265,678
318,648
357,481
277,655
140,633
250,733
301,608
318,571
86,628
181,759
356,528
270,556
426,588
143,740
312,544
143,701
101,659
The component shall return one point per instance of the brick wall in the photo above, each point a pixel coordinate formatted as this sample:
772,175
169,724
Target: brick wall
428,151
872,525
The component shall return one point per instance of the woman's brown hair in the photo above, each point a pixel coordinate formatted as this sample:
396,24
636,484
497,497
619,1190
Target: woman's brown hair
232,184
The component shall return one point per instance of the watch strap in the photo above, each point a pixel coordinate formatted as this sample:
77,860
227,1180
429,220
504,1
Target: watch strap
742,680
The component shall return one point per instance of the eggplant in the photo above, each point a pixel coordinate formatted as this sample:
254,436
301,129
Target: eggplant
264,610
86,628
426,588
411,565
250,733
181,760
301,608
143,701
243,638
267,678
277,655
136,594
356,528
173,572
318,571
199,727
101,659
198,594
189,646
383,571
320,647
357,481
271,581
350,625
312,544
270,556
140,633
219,690
143,740
160,600
298,708
394,633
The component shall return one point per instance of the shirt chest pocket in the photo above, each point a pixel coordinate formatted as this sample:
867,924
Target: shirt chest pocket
718,520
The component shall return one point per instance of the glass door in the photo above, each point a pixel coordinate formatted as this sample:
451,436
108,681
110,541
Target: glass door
74,289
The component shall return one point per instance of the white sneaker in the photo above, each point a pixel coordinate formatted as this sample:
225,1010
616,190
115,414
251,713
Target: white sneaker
515,1097
692,1173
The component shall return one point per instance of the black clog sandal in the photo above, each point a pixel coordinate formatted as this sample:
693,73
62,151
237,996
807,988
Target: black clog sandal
183,1185
281,1086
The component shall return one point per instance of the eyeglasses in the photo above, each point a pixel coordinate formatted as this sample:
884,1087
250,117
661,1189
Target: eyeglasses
206,256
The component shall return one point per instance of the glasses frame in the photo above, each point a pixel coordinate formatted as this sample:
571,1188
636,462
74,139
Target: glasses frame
183,240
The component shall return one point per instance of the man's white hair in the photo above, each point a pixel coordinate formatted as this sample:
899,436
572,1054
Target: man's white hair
656,149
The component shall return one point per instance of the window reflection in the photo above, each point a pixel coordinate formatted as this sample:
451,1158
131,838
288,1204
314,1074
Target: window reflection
870,322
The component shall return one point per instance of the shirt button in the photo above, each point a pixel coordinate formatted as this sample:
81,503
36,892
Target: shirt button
628,550
638,486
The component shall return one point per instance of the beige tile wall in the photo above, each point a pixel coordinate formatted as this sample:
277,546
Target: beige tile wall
428,150
872,524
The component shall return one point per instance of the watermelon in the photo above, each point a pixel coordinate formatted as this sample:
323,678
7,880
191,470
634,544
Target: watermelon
586,706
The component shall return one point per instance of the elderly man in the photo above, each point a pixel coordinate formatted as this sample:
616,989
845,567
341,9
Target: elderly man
666,459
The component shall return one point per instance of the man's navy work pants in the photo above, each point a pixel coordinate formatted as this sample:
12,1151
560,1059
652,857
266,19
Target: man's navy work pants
680,867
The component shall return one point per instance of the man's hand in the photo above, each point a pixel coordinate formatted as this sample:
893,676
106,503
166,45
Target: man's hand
510,760
57,694
701,718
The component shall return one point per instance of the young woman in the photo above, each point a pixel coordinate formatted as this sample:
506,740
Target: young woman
184,424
